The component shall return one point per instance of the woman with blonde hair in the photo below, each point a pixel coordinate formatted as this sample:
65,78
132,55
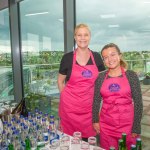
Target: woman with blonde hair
77,73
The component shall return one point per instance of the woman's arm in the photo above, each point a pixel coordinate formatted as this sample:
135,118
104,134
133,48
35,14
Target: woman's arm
61,82
97,97
137,99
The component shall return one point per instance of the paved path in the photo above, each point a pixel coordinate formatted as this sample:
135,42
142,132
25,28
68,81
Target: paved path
146,117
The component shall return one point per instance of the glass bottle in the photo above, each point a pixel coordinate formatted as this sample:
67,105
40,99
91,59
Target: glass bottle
52,129
46,117
11,147
138,144
52,118
4,125
4,142
112,148
120,144
124,147
36,112
29,115
27,144
133,147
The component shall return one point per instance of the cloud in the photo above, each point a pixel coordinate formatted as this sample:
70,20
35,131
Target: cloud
124,22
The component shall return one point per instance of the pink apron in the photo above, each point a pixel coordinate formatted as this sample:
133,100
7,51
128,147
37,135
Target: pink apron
117,113
76,99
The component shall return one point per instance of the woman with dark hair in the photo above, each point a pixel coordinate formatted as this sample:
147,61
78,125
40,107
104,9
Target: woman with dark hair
119,90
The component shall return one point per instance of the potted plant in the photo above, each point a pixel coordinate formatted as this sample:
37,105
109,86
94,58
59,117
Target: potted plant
146,80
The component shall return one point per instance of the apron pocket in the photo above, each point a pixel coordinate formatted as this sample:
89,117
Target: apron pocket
110,120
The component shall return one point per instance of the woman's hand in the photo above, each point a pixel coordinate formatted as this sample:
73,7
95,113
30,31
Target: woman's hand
96,127
134,135
61,82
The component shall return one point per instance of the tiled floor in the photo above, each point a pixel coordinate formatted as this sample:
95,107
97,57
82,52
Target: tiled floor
146,117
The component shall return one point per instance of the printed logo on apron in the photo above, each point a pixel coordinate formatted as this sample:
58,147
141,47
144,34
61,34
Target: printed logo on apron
87,73
114,87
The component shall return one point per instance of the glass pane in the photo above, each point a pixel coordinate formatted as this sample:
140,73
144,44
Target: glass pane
42,50
125,23
6,74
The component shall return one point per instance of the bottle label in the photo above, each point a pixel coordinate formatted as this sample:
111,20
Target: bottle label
56,137
45,137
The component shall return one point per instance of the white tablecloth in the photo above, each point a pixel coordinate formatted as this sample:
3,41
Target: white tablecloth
71,147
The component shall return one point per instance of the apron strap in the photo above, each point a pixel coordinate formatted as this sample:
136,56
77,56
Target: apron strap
91,56
122,71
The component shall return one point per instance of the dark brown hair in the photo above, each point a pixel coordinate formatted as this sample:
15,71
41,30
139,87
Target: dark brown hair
123,63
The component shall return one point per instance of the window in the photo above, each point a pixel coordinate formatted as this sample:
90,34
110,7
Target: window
6,75
125,23
42,50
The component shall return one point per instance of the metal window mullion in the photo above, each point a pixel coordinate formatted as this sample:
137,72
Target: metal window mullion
69,24
16,50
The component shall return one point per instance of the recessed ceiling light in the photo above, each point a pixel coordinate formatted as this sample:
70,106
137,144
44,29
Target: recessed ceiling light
108,16
34,14
114,26
146,30
61,20
147,2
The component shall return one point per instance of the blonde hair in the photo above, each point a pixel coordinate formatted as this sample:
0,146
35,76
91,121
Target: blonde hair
82,25
123,63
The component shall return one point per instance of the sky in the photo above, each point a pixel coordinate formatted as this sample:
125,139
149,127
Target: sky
123,22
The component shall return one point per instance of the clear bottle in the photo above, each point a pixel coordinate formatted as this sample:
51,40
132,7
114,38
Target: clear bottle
21,128
13,129
36,113
39,129
18,124
26,130
21,118
46,117
44,130
4,125
59,127
30,123
29,116
41,115
53,132
34,130
13,137
4,142
26,121
1,131
9,126
44,122
1,127
38,122
34,117
17,141
24,135
33,142
13,121
51,118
